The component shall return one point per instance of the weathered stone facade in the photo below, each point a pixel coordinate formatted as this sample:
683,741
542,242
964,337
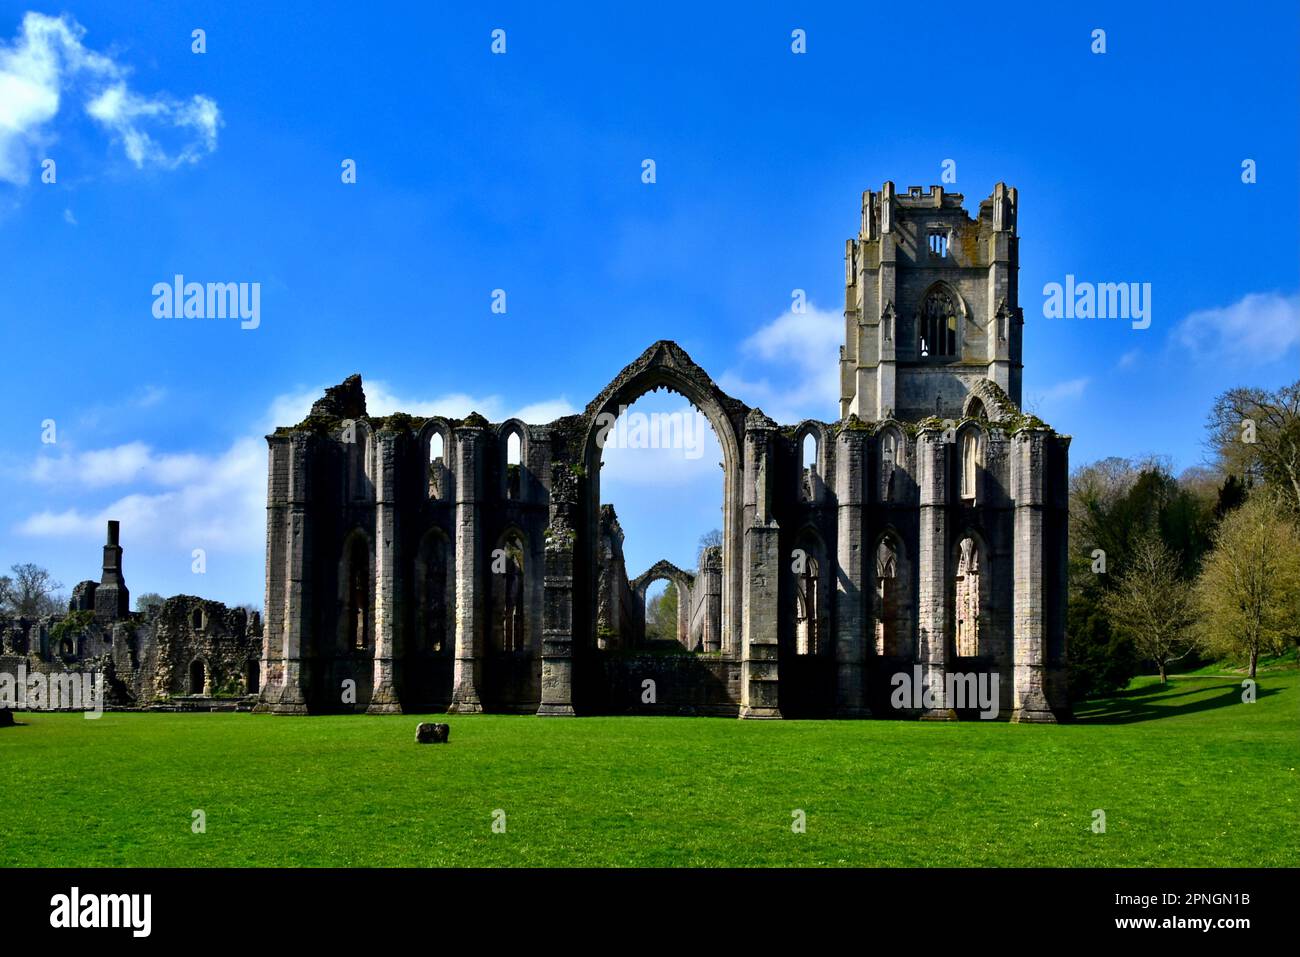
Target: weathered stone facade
412,565
187,649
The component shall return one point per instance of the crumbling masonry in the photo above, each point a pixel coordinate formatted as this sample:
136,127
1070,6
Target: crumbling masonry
413,565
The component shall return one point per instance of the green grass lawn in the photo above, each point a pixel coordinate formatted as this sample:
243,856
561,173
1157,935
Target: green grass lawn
1187,776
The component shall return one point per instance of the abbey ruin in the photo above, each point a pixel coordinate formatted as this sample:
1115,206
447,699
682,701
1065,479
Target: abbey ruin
422,564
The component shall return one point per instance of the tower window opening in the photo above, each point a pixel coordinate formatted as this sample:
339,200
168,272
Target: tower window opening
939,244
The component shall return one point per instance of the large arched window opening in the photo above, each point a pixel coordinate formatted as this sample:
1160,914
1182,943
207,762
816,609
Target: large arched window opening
666,366
938,324
892,601
660,466
355,579
667,606
808,621
435,590
507,592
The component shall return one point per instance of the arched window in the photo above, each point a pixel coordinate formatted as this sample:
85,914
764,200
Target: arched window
196,618
893,635
508,594
970,462
807,633
808,473
437,467
975,410
355,582
514,464
434,593
938,325
891,460
968,598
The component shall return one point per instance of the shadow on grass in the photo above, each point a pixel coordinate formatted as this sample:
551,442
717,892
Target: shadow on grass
1153,702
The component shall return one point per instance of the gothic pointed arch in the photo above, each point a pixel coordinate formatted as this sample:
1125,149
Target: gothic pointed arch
356,576
940,315
891,595
665,365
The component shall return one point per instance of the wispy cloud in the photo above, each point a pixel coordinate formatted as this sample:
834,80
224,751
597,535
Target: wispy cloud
790,366
47,59
215,501
1256,329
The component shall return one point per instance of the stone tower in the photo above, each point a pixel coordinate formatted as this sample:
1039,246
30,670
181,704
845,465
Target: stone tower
931,304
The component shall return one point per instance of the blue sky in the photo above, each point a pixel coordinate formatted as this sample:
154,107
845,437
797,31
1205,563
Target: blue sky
522,172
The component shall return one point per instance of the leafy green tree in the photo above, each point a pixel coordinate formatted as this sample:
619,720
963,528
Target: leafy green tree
661,615
1114,505
1248,591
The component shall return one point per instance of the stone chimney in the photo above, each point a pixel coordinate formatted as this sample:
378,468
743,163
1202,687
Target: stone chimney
112,600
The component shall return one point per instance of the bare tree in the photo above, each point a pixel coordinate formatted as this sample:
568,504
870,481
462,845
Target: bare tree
1153,604
1256,434
710,539
31,592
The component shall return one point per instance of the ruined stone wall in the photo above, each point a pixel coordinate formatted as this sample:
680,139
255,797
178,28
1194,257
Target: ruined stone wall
364,493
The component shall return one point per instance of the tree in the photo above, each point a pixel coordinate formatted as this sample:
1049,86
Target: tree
1248,591
1255,433
710,539
661,615
1114,505
150,599
31,592
1153,604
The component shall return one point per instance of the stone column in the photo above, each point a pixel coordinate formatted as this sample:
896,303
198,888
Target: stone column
288,576
759,685
1028,468
932,569
470,438
557,614
384,697
850,582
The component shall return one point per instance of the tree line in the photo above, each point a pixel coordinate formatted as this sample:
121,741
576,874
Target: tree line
1204,565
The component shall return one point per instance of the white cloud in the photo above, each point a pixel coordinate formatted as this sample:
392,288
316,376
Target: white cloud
1258,328
799,358
47,60
215,501
1063,391
1129,359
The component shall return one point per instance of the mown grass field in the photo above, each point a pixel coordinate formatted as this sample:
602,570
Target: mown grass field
1187,776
